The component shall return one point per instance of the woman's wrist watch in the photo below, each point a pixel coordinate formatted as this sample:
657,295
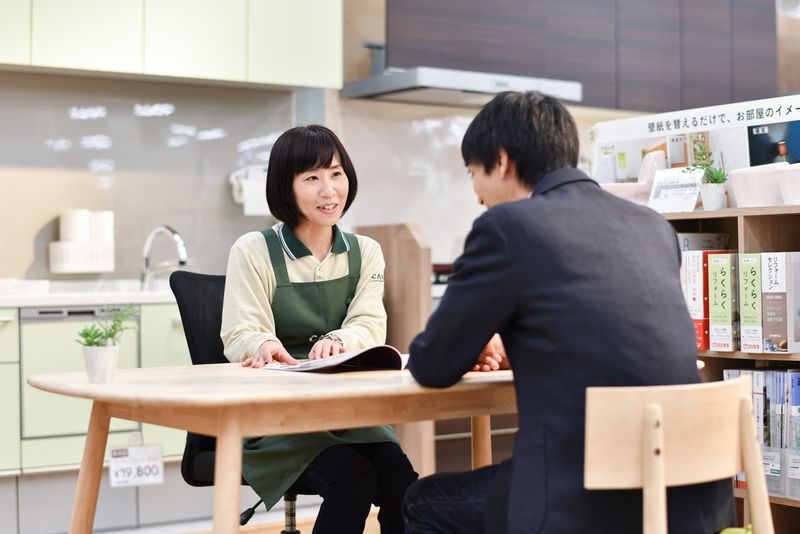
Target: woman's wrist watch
333,337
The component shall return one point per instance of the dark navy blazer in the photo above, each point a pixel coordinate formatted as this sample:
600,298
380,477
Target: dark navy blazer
584,289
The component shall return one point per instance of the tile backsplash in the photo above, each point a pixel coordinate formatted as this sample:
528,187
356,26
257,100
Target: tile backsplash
152,152
160,153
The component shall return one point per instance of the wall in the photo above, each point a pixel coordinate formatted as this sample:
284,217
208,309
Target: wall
408,159
154,174
407,156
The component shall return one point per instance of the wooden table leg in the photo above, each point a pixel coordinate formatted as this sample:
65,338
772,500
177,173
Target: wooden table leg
227,474
481,441
85,503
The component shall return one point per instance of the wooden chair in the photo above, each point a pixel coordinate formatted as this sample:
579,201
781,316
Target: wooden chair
659,436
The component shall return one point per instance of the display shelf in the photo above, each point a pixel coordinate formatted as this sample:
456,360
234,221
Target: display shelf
771,356
732,212
783,501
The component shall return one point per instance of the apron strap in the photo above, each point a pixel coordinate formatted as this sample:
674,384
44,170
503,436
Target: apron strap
353,265
276,257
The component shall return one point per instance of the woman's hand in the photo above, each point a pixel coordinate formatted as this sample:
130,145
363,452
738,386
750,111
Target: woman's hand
268,352
325,347
493,356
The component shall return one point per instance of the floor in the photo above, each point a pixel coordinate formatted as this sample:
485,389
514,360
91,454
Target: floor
261,523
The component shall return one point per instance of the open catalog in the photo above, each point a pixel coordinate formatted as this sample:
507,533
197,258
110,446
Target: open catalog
369,359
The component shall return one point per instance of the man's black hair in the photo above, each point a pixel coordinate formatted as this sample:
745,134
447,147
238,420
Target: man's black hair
536,131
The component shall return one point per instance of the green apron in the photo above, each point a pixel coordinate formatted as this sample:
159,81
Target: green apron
303,313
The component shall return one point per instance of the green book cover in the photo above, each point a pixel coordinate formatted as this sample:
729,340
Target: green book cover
722,302
752,338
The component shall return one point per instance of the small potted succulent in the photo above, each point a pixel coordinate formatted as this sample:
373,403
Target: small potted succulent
100,342
712,190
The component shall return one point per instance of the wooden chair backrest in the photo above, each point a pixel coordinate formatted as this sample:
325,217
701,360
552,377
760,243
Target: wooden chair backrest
653,437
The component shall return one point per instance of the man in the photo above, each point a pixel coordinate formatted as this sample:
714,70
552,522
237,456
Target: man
584,290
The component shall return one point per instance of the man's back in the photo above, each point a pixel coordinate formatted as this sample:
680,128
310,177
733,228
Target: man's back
584,290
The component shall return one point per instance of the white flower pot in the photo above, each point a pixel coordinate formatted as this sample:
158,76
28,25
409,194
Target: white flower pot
713,196
100,363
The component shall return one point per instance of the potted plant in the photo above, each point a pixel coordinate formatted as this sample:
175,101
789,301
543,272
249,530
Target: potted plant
712,189
100,342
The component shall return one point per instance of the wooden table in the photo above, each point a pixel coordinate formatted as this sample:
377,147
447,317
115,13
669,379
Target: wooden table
231,402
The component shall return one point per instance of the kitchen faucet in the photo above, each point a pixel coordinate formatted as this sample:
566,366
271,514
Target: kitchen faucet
147,272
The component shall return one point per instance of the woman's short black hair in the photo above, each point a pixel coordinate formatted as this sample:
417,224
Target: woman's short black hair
298,150
536,131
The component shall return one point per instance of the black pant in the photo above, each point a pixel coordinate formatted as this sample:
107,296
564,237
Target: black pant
350,478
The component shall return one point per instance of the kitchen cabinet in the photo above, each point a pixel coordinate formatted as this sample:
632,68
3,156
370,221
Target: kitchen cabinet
706,53
196,39
296,43
9,335
508,37
92,35
43,454
753,50
50,347
15,31
573,29
648,54
163,343
9,417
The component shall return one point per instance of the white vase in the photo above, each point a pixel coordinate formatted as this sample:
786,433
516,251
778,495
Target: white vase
100,363
713,196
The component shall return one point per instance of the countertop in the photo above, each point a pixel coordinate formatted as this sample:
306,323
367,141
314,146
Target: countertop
102,293
86,293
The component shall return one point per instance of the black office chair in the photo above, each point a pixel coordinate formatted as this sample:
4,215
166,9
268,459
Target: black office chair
199,298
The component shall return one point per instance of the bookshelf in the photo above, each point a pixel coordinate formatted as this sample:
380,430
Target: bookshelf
769,229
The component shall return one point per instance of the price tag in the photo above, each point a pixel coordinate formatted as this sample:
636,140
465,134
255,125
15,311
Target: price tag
140,465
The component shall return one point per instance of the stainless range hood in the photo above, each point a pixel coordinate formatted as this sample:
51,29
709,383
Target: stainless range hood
448,87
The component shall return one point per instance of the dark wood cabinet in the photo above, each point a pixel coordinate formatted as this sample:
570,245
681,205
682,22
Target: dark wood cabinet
502,36
648,55
581,46
706,53
754,50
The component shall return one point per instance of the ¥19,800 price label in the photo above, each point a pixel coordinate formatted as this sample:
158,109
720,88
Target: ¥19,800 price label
136,466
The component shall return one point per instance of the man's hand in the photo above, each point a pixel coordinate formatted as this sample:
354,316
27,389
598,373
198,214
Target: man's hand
268,352
325,347
493,356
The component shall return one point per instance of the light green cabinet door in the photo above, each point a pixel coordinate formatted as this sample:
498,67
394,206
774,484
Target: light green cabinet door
15,31
88,34
9,335
163,344
9,416
196,39
297,43
43,454
50,347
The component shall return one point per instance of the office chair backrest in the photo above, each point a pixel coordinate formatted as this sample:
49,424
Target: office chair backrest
199,298
654,437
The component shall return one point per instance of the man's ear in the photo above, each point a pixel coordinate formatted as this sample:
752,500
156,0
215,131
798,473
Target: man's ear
506,166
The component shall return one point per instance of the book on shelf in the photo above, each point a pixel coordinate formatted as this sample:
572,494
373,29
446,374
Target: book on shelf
793,417
368,359
780,301
703,240
723,303
694,274
752,334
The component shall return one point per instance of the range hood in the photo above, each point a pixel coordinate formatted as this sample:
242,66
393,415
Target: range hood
449,87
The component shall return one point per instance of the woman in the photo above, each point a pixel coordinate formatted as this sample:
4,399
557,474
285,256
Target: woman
304,288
